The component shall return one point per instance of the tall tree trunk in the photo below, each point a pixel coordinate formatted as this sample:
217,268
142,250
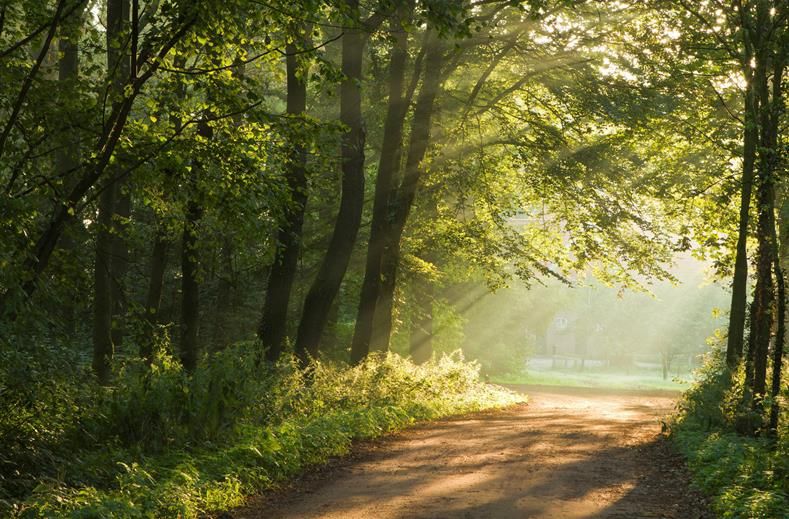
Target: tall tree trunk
780,336
273,324
770,108
190,286
388,166
384,307
404,198
332,270
103,349
118,71
771,163
153,299
734,342
224,296
767,169
762,307
68,156
119,265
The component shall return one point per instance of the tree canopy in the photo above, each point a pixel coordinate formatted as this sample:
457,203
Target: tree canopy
326,179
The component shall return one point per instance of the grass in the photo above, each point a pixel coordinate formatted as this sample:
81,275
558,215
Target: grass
165,444
744,476
608,379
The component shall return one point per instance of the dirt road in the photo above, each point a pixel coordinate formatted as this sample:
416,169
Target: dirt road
568,453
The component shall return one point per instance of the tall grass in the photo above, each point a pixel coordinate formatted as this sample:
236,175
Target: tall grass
162,443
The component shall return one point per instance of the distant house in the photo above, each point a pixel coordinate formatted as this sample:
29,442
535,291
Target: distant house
568,335
560,336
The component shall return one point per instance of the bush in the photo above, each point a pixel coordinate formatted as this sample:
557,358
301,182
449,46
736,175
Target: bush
162,443
744,476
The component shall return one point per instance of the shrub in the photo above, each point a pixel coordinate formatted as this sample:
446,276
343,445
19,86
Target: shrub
163,443
744,476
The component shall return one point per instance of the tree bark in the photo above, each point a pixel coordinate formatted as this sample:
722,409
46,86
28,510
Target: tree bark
68,156
762,307
224,296
780,336
190,286
153,299
406,193
762,322
384,307
734,341
388,166
273,324
119,265
103,349
118,71
335,263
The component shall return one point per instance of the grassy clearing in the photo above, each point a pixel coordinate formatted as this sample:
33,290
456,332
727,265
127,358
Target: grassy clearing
641,380
162,444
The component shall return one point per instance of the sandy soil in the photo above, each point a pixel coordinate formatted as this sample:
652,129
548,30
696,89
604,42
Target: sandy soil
568,453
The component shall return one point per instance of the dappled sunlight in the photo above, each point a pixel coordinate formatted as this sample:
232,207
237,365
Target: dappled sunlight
565,454
415,258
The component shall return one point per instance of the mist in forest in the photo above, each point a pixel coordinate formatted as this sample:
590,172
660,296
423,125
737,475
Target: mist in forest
588,333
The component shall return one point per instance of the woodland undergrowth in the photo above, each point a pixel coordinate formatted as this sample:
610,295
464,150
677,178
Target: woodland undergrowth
162,443
744,476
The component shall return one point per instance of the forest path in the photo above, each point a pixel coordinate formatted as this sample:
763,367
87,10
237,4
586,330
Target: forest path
568,453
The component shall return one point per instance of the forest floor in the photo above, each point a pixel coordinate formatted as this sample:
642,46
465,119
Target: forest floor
568,453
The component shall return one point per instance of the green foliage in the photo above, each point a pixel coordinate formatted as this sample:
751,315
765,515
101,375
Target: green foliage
744,476
161,443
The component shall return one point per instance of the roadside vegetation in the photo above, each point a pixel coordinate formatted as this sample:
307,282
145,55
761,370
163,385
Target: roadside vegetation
161,443
744,476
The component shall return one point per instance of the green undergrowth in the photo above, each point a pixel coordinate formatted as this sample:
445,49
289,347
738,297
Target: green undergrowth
744,477
161,443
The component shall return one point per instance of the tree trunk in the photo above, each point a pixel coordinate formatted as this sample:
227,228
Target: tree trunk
770,108
153,300
382,319
762,316
771,163
388,166
768,164
67,157
404,198
118,70
224,297
190,286
332,270
734,342
274,322
103,349
119,265
780,336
